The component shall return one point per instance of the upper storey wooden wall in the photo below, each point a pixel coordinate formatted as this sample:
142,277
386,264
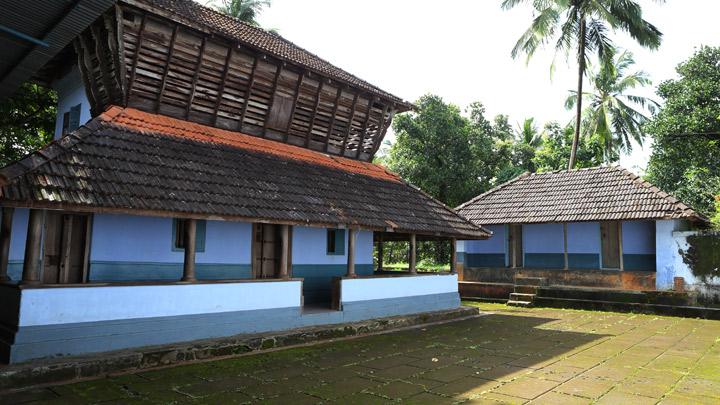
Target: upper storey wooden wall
139,60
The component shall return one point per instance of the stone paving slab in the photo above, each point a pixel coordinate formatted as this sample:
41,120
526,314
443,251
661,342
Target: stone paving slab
514,355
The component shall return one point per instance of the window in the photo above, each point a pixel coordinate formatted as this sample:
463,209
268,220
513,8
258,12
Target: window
336,242
71,120
179,235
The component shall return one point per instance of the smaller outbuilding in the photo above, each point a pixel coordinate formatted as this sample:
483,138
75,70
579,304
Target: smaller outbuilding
598,227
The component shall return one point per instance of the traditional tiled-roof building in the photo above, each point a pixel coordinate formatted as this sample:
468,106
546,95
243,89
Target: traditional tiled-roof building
208,178
602,226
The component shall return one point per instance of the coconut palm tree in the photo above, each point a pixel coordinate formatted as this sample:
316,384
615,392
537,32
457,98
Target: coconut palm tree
613,114
243,10
528,134
582,27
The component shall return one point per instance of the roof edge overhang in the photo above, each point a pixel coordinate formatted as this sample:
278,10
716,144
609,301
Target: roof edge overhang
57,206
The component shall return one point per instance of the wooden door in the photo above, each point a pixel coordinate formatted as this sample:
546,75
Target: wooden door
266,262
65,248
515,245
610,238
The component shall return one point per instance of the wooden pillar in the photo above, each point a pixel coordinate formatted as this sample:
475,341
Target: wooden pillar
380,253
285,252
189,242
351,254
5,230
565,244
33,248
413,254
453,256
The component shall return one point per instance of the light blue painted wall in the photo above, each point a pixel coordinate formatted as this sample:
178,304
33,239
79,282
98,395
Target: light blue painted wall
638,237
309,246
71,92
583,237
495,244
543,238
149,239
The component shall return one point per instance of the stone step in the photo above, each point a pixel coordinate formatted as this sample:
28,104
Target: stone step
534,281
522,297
519,304
526,289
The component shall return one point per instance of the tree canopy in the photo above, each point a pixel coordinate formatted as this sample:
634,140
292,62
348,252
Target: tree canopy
244,10
582,27
27,121
685,158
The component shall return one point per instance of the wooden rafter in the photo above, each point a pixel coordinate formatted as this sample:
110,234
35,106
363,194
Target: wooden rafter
83,75
251,82
379,138
195,76
168,58
136,58
315,111
298,86
119,32
332,119
221,90
278,71
364,126
84,55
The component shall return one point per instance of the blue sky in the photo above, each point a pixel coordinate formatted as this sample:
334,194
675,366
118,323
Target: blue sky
460,49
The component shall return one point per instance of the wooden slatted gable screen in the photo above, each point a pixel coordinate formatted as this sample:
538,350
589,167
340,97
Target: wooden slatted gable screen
282,105
323,115
208,82
184,60
237,81
148,60
304,111
340,122
260,97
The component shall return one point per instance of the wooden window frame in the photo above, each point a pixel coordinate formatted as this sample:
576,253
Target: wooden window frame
335,242
178,235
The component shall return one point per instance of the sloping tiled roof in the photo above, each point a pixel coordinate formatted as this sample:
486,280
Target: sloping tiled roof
191,12
595,194
126,160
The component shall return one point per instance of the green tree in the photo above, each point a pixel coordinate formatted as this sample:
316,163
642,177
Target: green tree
685,158
448,155
612,114
582,27
27,121
554,153
244,10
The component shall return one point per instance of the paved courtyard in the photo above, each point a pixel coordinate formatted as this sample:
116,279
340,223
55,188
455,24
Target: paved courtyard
510,356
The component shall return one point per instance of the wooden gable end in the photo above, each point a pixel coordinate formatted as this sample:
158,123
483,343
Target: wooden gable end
137,59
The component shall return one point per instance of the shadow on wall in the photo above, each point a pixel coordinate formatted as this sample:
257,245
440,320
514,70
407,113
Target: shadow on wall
701,253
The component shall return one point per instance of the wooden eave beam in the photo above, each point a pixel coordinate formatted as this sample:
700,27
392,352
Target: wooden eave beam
86,73
114,51
195,76
166,71
251,82
83,73
221,90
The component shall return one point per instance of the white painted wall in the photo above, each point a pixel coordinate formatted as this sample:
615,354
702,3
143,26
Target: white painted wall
670,238
52,306
71,92
377,288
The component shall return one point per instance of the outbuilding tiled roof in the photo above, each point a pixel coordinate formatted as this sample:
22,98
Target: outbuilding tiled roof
130,161
191,12
594,194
